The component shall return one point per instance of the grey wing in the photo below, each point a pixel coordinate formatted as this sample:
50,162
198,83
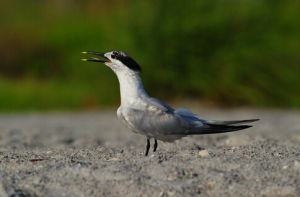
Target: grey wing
156,103
156,123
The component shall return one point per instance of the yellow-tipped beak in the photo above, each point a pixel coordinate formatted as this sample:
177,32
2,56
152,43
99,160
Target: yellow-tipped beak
94,59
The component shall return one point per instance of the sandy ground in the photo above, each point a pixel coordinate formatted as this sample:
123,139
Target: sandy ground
92,154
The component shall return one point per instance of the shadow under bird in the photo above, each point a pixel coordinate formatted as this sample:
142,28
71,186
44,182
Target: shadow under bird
151,117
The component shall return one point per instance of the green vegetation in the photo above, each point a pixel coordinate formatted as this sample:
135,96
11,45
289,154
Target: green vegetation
231,53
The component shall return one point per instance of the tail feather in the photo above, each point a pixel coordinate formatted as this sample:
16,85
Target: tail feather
217,128
202,126
230,122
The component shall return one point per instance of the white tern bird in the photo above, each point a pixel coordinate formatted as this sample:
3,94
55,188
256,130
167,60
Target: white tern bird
151,117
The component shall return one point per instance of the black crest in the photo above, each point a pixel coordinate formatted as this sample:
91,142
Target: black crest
126,60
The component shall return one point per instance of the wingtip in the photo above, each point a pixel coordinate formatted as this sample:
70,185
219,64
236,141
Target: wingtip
247,126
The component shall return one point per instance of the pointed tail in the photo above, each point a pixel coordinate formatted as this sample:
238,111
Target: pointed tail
211,127
230,122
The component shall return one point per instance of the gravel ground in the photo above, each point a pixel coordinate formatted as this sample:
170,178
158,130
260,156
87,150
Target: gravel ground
92,154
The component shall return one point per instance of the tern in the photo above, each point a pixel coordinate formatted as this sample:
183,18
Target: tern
151,117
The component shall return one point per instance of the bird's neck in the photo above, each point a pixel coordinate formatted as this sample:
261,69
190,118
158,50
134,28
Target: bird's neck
131,88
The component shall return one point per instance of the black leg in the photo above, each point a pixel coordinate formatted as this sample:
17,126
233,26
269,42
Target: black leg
147,146
155,145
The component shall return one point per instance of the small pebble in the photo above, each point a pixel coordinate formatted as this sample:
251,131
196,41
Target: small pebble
203,153
297,164
114,159
276,155
162,194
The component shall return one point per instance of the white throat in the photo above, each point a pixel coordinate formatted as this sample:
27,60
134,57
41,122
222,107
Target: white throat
131,88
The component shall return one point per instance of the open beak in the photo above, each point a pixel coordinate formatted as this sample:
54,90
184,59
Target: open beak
94,59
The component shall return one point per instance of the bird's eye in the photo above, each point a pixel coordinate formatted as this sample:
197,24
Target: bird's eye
113,56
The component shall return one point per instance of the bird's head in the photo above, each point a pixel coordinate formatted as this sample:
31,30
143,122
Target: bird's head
116,60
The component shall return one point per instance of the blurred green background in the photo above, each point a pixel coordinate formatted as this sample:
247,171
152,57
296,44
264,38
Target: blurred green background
225,53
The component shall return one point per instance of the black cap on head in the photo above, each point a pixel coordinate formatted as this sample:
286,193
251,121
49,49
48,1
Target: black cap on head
126,60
